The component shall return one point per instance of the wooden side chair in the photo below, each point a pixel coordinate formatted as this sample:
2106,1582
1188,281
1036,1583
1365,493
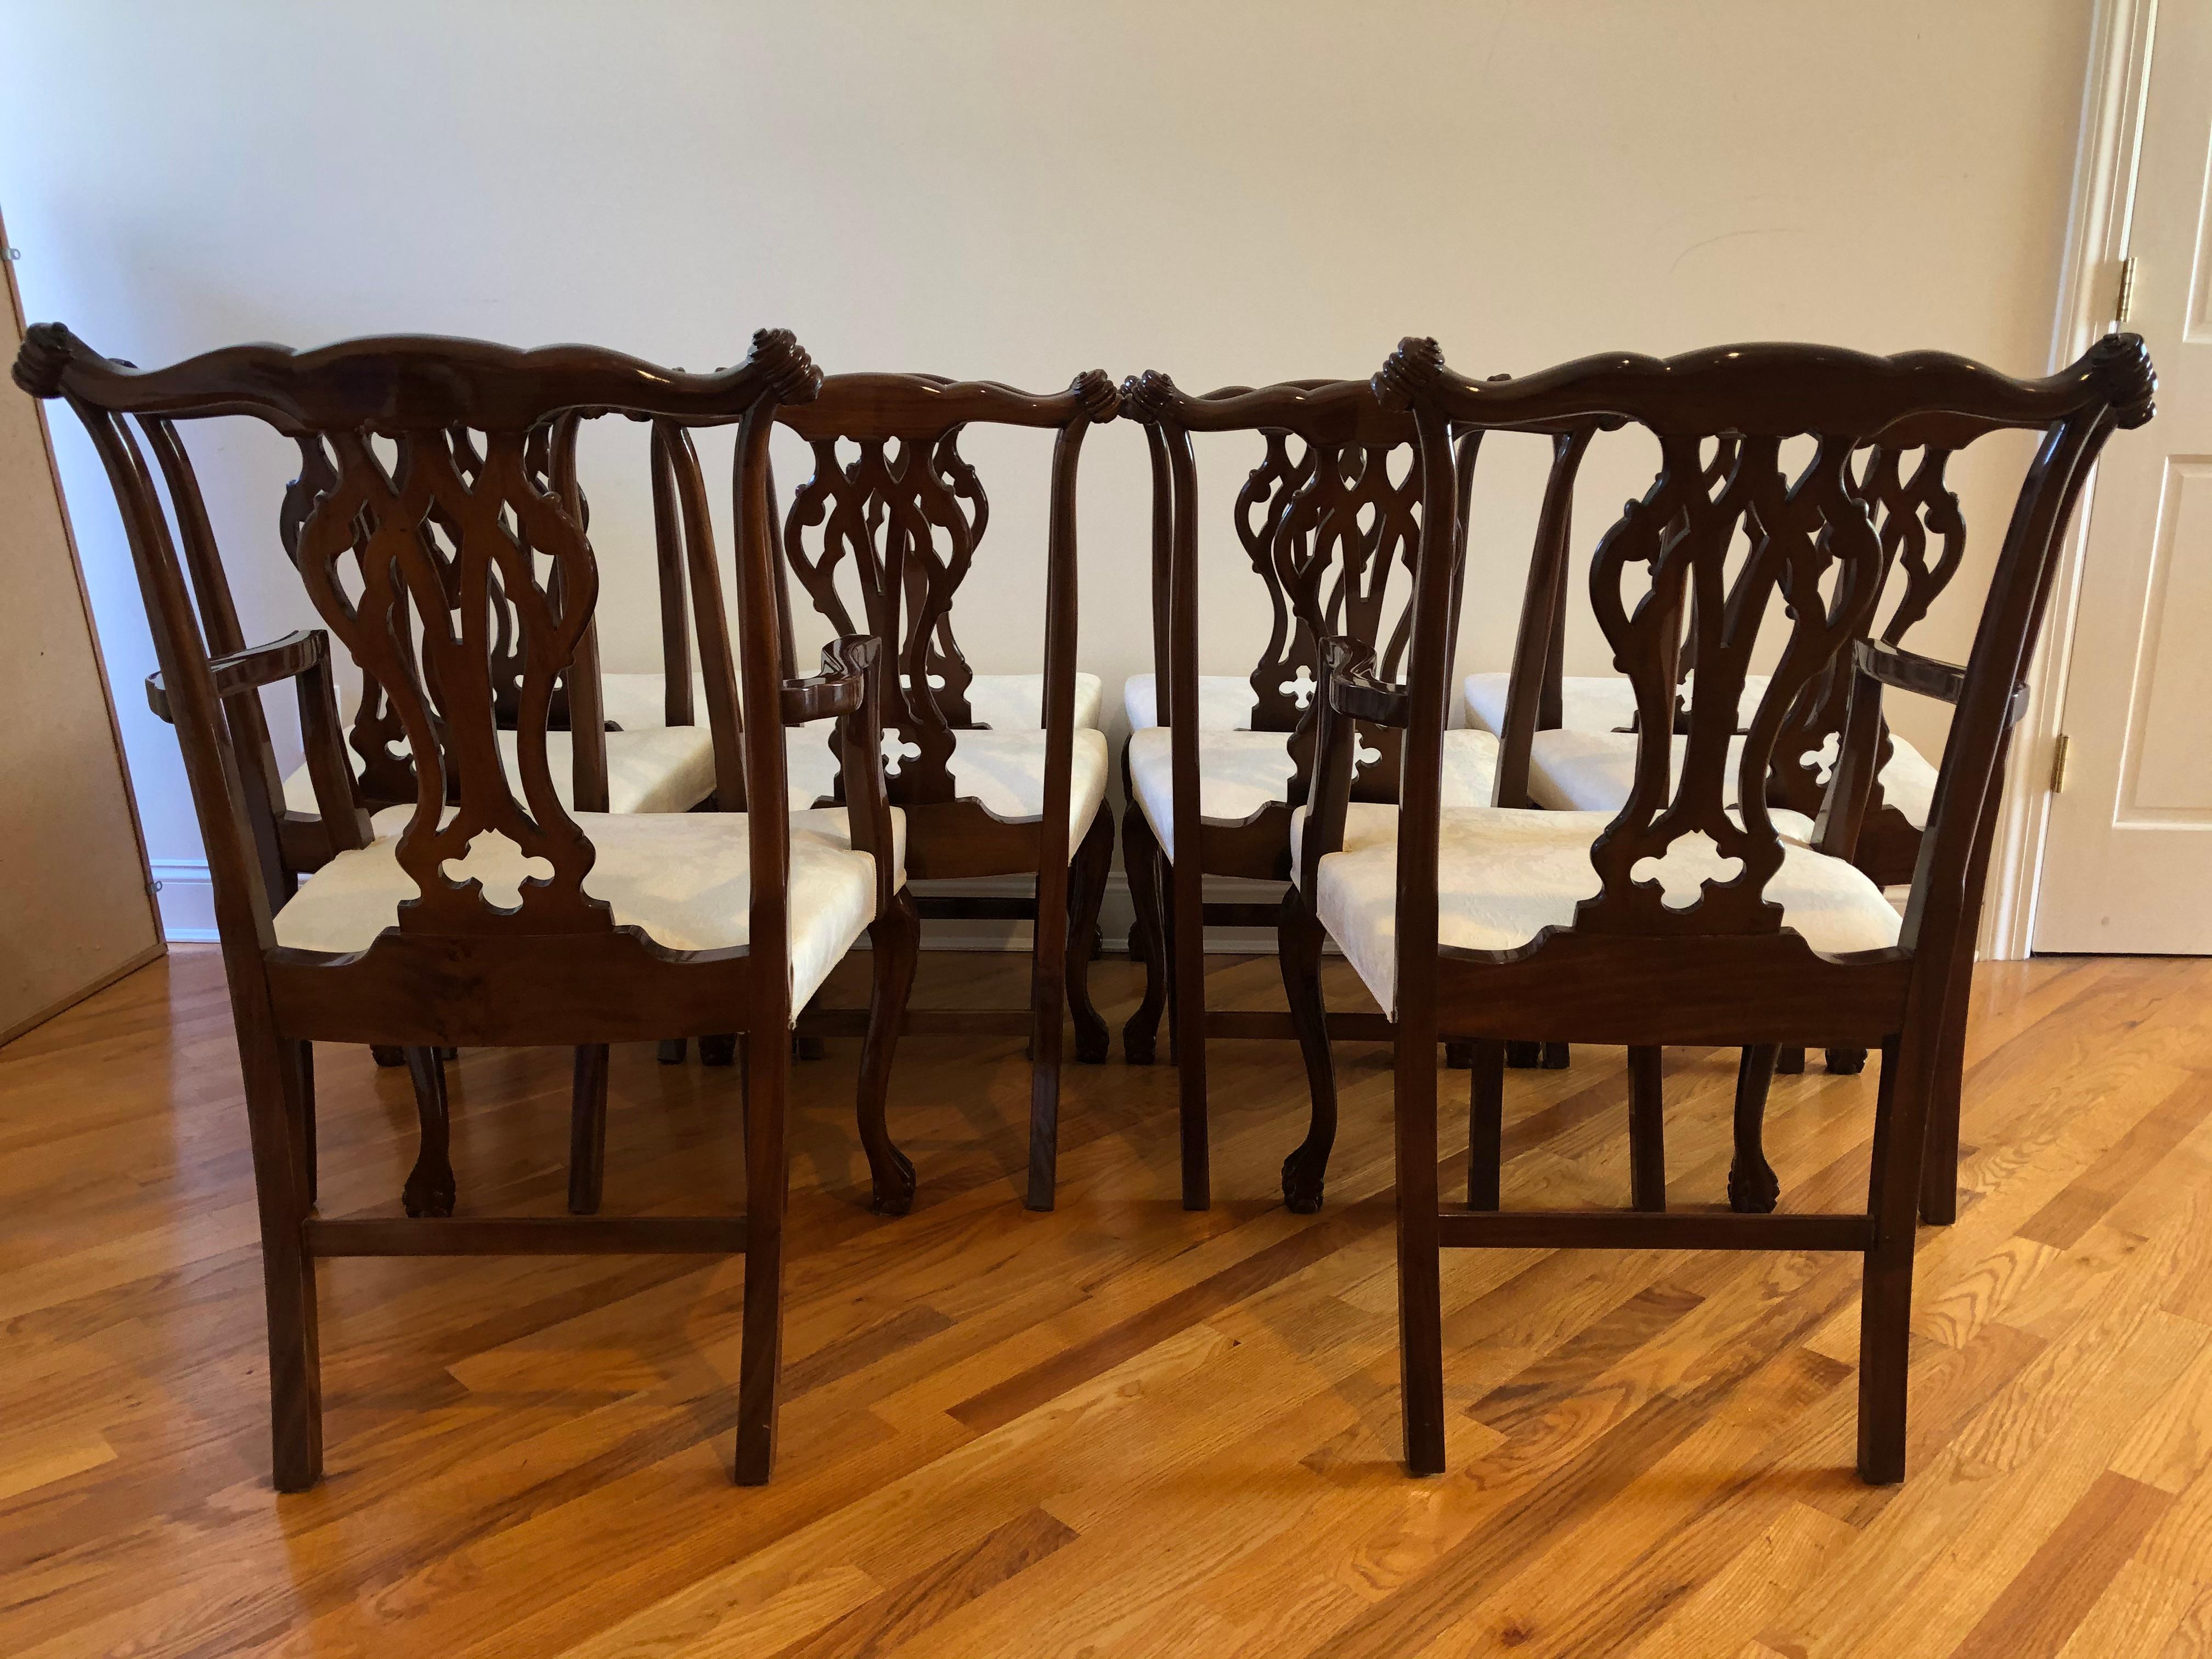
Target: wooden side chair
889,536
1328,520
486,912
1682,917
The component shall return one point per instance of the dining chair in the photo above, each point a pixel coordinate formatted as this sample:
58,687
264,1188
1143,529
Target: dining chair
889,533
1327,519
485,911
1687,916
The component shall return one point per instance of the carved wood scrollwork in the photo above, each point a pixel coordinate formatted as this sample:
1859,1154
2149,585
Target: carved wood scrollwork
1795,536
1339,526
1261,505
423,630
905,516
1923,539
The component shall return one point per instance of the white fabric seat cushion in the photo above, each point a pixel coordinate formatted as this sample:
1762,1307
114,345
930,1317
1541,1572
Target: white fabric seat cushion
1503,875
1587,703
1226,702
1002,770
1241,772
669,768
1002,701
1571,771
685,878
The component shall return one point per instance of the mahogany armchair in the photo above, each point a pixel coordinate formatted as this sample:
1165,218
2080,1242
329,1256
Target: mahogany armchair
485,911
1687,916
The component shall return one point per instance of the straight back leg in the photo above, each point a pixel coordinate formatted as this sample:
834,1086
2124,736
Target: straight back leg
1420,1279
1188,881
1297,948
1048,997
273,1078
767,1177
1485,1124
588,1130
1647,1132
1086,891
1140,852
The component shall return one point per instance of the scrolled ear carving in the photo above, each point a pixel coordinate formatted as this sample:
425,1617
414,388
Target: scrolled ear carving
2120,366
1096,393
1418,363
790,370
44,354
1147,396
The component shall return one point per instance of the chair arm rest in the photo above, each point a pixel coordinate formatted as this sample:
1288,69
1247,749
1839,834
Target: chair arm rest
251,669
1908,670
844,683
1354,689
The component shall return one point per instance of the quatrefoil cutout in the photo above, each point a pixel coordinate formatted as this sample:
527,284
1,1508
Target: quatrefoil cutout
496,861
1822,761
1681,871
1300,687
1363,757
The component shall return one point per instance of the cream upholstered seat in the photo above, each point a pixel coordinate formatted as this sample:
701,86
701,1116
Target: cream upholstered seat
1504,875
1571,771
1241,772
669,768
1587,703
1002,770
1002,702
1226,702
685,878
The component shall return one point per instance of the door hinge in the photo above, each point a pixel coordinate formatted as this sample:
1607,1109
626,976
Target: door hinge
2058,765
2126,300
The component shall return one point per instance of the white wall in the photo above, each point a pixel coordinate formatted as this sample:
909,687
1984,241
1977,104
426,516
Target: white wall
1230,192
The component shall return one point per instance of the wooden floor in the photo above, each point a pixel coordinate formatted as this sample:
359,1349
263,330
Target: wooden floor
1118,1429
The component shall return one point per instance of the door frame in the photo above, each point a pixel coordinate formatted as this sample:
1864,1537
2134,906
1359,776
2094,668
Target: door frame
2097,223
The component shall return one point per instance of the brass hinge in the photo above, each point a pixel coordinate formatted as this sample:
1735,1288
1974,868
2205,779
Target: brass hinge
2058,765
2126,301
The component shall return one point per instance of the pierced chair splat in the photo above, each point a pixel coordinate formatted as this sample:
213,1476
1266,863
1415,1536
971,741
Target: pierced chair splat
1687,916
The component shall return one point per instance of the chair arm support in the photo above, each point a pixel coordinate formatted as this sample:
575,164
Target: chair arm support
1346,666
251,669
850,687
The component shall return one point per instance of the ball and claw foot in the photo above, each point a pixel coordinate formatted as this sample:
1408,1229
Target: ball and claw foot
1524,1056
1302,1183
1846,1062
893,1190
718,1050
1754,1190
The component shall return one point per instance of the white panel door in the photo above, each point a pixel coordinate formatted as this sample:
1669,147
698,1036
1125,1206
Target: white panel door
2128,866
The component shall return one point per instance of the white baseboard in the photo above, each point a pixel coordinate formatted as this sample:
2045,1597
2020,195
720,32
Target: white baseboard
185,893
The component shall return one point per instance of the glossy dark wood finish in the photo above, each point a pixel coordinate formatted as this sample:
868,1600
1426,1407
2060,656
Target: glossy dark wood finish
1327,519
885,539
482,489
1722,970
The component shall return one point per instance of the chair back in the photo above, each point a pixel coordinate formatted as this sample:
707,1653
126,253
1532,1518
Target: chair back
439,528
892,534
1751,541
1329,519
